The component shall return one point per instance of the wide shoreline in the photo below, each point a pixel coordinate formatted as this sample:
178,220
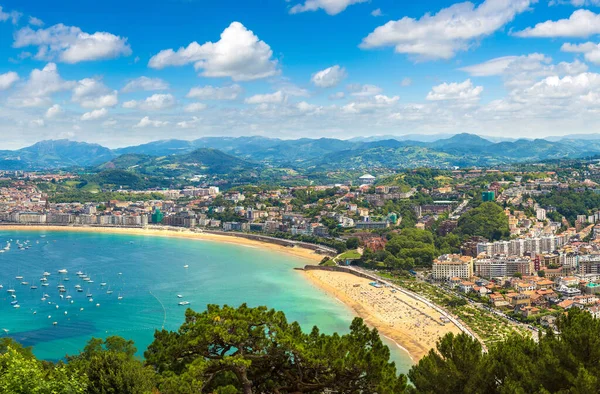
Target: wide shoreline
412,325
169,232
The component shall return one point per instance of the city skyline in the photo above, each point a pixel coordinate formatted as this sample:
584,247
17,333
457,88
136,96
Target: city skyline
290,69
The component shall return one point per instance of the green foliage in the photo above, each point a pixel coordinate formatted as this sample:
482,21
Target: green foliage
327,262
564,363
455,302
21,373
412,247
120,179
352,243
425,177
82,196
450,369
310,196
487,220
570,203
257,350
110,367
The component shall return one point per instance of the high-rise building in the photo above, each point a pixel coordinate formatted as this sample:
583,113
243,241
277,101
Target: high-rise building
489,195
157,216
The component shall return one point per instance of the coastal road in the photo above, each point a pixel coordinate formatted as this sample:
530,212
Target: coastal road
512,322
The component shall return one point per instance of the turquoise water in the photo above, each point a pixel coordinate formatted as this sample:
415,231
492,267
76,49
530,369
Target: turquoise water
148,272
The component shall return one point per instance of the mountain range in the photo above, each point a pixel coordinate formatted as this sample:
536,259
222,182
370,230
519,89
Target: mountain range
226,154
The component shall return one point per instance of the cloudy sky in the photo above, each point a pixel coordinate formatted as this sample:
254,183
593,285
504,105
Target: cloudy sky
128,72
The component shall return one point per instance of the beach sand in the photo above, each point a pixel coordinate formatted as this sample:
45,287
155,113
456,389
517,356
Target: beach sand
306,254
413,325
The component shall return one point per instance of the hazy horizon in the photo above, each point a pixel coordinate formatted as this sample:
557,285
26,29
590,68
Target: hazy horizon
366,138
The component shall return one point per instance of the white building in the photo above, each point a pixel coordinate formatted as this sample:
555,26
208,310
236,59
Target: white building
540,214
452,266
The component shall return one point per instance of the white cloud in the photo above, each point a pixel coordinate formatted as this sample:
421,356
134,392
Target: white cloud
406,82
567,87
13,16
109,123
337,96
195,107
571,99
53,111
8,79
379,101
158,102
289,89
331,7
239,54
188,124
40,86
70,44
455,91
35,21
303,106
215,93
581,23
495,66
524,70
155,102
590,50
358,90
146,122
582,3
95,114
329,77
92,93
377,12
37,123
452,29
269,98
145,83
385,100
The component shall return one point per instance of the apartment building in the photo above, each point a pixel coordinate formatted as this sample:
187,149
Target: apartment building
452,266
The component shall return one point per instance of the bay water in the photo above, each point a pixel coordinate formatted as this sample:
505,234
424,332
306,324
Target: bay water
148,273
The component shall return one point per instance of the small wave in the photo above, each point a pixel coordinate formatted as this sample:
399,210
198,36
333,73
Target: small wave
401,347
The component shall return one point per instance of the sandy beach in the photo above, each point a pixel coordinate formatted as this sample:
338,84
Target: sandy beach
307,254
410,323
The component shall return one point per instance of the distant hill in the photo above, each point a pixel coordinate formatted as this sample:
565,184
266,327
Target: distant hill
203,161
158,148
224,155
461,142
55,154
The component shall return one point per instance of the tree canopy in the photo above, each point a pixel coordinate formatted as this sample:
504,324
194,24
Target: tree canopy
568,362
257,350
222,350
488,220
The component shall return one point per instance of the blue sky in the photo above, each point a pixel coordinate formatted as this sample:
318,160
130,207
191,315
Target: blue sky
128,72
